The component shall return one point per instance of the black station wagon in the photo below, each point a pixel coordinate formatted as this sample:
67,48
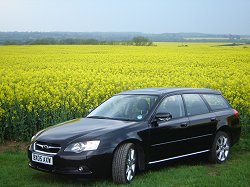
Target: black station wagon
137,128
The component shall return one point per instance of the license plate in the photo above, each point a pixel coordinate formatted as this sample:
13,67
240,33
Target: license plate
42,159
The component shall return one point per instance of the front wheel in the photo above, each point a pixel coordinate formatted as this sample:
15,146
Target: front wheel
221,148
124,163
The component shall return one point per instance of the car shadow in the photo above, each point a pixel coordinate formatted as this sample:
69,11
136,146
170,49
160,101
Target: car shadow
186,161
62,180
81,180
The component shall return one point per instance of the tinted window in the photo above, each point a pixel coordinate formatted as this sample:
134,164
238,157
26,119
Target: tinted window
173,105
194,104
216,102
125,107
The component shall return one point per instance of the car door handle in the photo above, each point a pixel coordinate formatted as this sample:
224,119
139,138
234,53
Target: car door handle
184,124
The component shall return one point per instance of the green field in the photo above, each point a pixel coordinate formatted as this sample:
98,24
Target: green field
192,171
43,85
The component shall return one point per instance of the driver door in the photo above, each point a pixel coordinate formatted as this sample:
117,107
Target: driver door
167,139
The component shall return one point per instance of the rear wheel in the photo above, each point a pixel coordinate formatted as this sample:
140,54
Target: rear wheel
221,148
124,163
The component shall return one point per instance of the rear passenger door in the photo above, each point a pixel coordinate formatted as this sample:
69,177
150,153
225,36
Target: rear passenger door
202,122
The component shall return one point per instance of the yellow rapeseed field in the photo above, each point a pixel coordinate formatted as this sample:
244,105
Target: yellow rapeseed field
43,85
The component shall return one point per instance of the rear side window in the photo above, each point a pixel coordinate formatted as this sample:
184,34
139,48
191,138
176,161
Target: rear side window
195,105
216,102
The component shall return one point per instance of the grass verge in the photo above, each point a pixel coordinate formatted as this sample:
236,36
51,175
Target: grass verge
192,171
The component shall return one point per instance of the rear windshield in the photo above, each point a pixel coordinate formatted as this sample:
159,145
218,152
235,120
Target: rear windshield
216,102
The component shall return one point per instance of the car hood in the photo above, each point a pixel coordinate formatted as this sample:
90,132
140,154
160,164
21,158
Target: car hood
88,128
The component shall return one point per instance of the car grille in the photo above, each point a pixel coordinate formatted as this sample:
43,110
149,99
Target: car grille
47,148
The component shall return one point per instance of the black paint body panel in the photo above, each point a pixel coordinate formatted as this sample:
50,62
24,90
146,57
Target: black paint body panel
158,140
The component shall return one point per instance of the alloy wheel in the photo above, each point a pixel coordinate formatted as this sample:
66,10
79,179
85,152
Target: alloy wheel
222,148
130,166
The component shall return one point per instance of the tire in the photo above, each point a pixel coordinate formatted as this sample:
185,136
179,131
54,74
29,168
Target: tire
220,149
124,163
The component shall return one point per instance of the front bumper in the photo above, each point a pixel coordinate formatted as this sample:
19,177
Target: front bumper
89,163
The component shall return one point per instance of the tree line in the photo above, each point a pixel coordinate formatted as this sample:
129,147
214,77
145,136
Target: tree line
137,41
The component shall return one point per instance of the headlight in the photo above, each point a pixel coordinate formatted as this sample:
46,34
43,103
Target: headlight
35,136
83,146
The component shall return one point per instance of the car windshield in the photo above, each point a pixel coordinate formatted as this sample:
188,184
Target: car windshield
125,107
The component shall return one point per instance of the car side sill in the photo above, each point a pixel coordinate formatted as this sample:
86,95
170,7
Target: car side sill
172,158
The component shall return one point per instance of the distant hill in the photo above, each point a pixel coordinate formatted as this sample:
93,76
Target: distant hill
29,37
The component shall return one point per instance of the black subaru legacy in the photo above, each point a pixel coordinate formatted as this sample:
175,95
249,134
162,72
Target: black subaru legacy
137,128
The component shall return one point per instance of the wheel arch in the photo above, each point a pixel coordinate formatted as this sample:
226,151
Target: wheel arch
226,129
140,151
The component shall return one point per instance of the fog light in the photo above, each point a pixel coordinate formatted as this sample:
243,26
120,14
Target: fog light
84,169
80,168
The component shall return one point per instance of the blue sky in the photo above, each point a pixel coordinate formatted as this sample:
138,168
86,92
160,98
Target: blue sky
150,16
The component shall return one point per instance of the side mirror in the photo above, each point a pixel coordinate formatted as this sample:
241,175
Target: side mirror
163,116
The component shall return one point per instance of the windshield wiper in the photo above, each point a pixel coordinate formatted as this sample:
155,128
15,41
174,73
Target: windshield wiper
103,117
124,119
99,117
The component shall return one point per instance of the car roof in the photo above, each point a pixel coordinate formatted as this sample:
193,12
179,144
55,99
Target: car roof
165,91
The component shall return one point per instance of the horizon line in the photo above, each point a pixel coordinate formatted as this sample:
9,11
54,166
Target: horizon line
125,32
